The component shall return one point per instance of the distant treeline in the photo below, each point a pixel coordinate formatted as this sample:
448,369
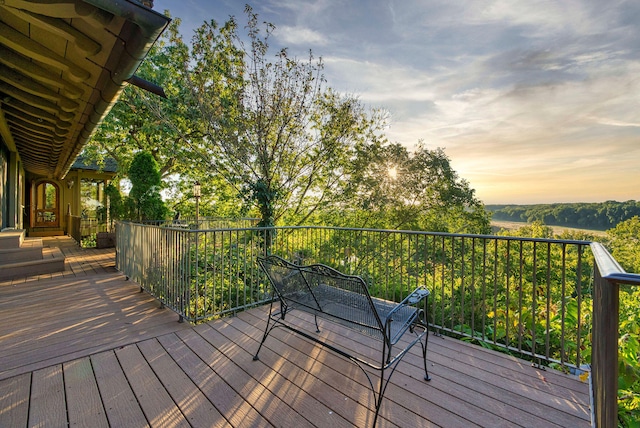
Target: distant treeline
596,216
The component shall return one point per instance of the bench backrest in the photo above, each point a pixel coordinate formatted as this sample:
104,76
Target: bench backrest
287,281
326,292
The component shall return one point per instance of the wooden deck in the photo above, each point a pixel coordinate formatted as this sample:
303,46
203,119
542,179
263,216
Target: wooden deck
91,351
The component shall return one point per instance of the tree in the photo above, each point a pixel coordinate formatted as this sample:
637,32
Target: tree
116,203
389,187
143,121
624,244
145,188
271,128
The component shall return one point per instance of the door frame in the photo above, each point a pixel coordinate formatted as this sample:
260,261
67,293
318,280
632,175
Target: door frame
44,216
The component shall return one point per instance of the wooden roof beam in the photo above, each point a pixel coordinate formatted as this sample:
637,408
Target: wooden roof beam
63,9
16,61
5,132
21,135
60,27
26,84
37,121
23,44
34,100
19,123
13,103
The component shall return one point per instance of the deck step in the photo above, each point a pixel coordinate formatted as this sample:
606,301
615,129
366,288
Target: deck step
51,260
11,238
45,233
22,254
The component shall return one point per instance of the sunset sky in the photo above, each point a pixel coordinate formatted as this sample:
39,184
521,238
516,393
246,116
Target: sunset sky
533,101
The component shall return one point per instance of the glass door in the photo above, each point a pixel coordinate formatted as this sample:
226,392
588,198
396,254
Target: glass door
47,195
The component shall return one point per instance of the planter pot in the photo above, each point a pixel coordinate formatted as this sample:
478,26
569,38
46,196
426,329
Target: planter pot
105,240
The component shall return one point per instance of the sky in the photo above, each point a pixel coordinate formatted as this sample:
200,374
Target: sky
532,101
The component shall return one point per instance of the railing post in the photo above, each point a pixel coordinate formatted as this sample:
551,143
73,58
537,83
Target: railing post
604,354
608,275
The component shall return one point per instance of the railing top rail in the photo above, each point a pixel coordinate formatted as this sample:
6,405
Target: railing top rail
609,268
388,231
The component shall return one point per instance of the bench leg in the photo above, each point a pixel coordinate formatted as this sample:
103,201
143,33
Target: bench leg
267,330
264,337
424,354
425,324
315,318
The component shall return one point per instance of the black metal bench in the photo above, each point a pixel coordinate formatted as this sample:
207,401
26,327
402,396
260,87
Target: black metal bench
329,294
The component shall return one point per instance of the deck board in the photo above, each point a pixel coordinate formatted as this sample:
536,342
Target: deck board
88,349
119,401
84,403
54,320
14,401
156,403
195,406
224,399
47,404
225,361
299,398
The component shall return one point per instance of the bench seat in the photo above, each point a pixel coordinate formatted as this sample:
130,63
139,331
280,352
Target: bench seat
344,299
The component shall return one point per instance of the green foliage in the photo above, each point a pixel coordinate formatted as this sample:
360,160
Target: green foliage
265,198
271,126
537,229
141,121
629,357
89,241
145,196
596,216
624,245
117,209
262,131
389,187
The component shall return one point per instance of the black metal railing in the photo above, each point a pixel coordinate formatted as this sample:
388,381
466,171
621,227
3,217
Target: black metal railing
540,299
525,295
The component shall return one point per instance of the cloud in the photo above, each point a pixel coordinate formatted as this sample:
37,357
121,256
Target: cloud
531,99
299,36
613,122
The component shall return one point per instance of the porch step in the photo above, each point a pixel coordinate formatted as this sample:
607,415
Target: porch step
54,232
51,260
31,249
11,238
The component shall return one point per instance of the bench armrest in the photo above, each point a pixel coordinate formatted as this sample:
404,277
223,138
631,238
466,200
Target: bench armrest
416,296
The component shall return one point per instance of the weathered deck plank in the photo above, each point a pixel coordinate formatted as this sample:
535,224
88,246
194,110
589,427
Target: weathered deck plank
156,403
192,402
120,403
287,384
206,376
206,367
47,405
50,324
472,380
14,401
84,403
272,408
410,410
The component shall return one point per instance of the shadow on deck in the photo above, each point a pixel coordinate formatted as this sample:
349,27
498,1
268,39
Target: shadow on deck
90,350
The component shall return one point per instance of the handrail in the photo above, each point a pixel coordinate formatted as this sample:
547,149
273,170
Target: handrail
608,275
481,284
